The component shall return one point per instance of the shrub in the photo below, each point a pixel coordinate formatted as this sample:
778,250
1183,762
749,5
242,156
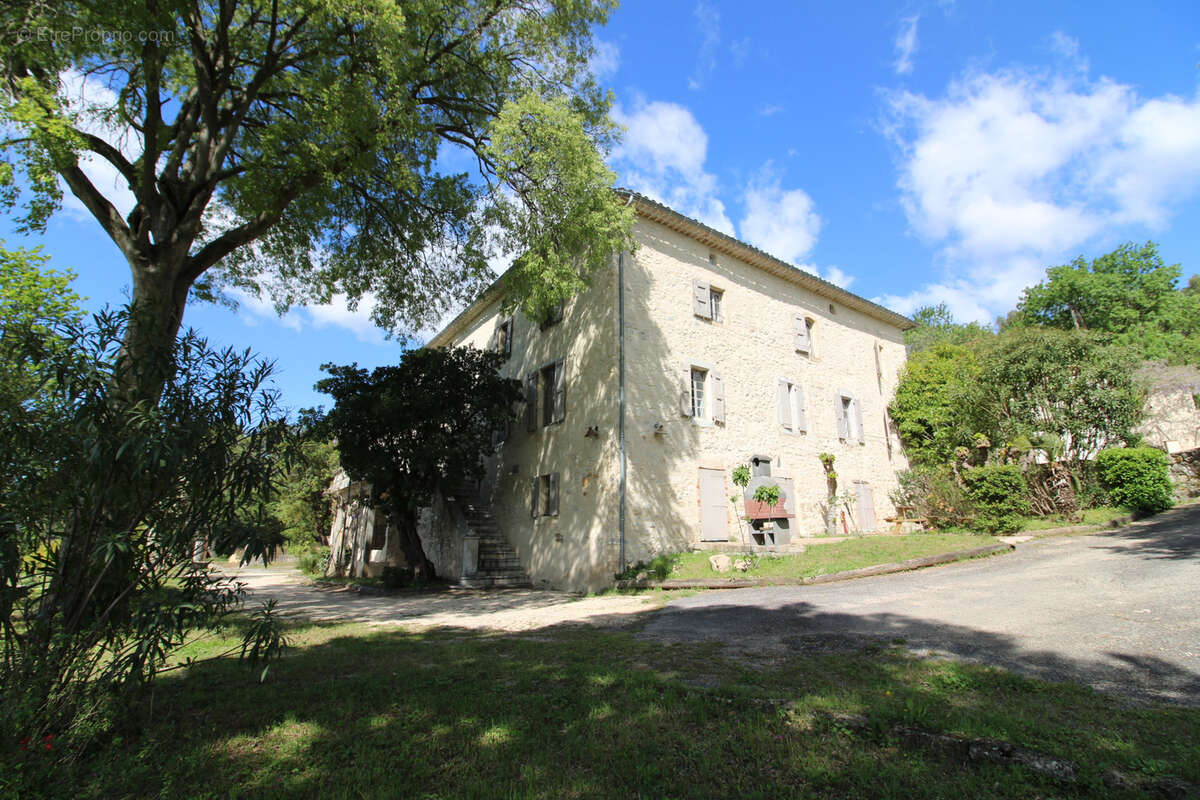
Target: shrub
658,568
935,496
1136,478
313,562
1000,497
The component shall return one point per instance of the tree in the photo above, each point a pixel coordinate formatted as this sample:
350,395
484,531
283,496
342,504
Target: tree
1039,381
300,503
423,424
307,149
936,325
1129,295
935,403
100,505
36,305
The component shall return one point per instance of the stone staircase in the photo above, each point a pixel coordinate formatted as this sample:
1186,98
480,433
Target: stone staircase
499,565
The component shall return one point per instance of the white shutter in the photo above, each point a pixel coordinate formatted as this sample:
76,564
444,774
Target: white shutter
862,435
800,328
700,301
783,403
801,423
717,388
685,391
842,423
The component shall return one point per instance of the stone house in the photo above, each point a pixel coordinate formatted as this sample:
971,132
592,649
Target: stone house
1172,411
693,355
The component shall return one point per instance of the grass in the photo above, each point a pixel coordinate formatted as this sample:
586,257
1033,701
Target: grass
583,713
1089,516
822,559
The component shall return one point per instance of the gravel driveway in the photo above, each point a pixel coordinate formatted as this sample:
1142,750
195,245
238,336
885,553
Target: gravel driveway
1119,611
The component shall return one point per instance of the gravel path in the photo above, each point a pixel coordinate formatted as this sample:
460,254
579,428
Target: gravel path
498,610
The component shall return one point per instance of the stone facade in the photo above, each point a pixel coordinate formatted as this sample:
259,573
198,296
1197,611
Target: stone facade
730,355
1172,420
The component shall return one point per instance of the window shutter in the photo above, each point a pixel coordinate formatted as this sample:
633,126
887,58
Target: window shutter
533,497
800,328
685,391
700,300
717,387
842,422
531,385
560,391
783,404
508,330
552,496
801,424
862,435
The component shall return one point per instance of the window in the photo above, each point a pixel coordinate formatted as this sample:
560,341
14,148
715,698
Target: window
802,331
502,338
789,402
546,391
702,394
849,418
553,316
543,500
707,302
699,379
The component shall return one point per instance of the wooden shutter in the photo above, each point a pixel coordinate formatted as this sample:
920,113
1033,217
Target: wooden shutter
560,391
783,404
531,386
801,423
717,389
685,391
842,422
700,300
552,495
533,496
862,434
800,329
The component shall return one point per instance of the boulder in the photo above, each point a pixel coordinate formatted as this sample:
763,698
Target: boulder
720,563
742,564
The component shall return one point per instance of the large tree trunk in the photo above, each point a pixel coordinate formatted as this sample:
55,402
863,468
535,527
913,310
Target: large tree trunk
146,360
408,542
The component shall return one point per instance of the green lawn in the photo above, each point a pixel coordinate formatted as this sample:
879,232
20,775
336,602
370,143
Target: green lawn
823,559
1089,516
583,713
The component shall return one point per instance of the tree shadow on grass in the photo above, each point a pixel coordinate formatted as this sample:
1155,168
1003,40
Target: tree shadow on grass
567,711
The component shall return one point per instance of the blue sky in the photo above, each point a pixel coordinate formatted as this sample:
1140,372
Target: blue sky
914,153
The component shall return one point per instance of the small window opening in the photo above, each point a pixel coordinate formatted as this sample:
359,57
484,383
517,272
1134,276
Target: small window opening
716,303
699,376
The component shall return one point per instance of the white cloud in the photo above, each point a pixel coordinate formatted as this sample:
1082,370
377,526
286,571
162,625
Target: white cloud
663,156
1017,170
606,59
781,221
769,110
84,95
254,309
906,45
708,20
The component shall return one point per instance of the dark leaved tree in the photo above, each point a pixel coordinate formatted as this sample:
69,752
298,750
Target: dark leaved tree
425,423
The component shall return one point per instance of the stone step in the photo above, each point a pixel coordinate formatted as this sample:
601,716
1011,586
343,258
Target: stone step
500,582
486,564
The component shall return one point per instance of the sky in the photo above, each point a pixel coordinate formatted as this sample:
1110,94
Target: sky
913,153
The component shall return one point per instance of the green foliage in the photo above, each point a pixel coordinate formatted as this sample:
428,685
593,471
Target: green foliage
933,495
768,494
425,423
304,511
741,476
314,561
659,567
935,402
1136,478
1036,382
101,503
332,137
264,641
1127,295
999,495
937,326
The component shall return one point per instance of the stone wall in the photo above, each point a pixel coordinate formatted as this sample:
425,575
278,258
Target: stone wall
1185,473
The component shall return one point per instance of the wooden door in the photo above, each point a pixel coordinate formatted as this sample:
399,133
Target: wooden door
714,506
866,506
